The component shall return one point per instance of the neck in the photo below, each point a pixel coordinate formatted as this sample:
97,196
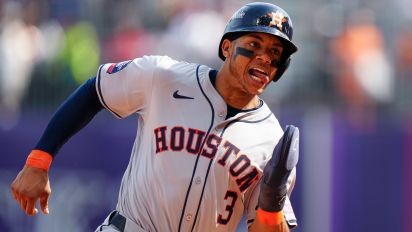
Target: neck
233,96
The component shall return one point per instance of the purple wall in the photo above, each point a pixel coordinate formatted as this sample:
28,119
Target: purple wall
407,173
367,167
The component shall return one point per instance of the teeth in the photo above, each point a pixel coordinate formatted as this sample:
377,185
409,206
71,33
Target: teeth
256,78
260,70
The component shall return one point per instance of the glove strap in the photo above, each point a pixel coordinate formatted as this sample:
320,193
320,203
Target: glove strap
272,199
270,218
39,159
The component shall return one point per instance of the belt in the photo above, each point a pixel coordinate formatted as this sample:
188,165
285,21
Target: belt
118,221
123,224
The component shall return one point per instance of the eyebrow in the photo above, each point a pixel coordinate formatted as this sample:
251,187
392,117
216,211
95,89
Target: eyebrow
277,44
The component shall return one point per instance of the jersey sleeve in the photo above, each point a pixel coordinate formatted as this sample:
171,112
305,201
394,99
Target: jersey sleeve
125,88
251,207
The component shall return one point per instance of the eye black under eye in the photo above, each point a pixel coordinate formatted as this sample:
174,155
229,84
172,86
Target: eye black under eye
276,63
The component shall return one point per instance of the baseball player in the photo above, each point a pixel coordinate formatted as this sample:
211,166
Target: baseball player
208,150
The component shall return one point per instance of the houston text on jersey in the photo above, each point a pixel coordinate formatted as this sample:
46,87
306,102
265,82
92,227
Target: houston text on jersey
240,167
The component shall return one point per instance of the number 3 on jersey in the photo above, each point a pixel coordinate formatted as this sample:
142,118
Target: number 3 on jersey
231,198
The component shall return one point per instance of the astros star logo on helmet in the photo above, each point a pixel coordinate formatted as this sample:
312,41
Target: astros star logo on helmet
276,19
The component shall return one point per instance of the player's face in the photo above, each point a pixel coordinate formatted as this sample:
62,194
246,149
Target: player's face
252,61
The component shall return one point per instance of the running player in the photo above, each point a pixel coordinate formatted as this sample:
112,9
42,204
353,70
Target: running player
206,149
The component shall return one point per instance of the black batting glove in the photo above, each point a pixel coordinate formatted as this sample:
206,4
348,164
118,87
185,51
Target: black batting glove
285,156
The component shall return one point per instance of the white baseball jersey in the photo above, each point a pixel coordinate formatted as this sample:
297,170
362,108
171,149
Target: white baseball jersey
191,169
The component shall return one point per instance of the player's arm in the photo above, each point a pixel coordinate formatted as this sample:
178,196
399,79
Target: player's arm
32,182
273,188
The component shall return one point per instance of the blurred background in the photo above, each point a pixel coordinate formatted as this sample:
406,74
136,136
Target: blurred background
348,89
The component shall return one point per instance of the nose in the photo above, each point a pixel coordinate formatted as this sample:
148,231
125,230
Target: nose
264,56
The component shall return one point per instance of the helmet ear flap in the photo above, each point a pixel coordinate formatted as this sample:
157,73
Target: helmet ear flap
281,69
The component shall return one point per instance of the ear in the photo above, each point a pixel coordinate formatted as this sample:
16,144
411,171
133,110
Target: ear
226,48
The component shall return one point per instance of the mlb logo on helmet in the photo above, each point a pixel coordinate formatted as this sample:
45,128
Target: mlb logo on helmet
114,68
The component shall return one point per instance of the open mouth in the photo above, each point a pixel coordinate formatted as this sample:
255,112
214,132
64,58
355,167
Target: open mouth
259,75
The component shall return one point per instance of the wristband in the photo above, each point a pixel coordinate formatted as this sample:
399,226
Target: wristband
39,159
270,218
